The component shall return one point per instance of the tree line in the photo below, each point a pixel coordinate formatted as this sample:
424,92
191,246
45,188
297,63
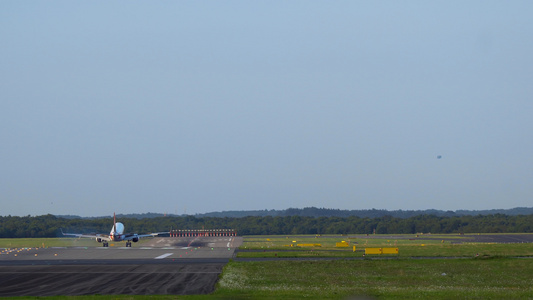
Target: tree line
50,225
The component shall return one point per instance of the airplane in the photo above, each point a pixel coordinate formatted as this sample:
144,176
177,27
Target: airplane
116,235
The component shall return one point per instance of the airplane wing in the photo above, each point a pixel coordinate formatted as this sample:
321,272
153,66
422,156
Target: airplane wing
103,237
132,236
156,233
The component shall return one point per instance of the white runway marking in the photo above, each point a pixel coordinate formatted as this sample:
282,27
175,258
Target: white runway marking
164,255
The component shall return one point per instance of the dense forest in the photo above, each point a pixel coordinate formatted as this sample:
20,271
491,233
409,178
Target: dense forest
50,226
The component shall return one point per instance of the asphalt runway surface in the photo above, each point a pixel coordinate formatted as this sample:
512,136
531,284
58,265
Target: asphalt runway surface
461,238
178,266
498,238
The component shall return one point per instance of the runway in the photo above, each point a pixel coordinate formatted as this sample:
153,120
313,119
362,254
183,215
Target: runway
179,266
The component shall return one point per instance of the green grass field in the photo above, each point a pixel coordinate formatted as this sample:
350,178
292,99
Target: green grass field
408,246
501,278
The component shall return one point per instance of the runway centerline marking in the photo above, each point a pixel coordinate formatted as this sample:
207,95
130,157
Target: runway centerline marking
164,255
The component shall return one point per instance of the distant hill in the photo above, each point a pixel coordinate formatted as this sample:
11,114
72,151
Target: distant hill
120,216
365,213
328,212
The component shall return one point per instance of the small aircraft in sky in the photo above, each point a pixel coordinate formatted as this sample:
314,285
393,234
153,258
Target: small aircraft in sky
116,235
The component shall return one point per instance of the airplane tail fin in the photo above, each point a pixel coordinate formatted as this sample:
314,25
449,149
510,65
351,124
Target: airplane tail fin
114,224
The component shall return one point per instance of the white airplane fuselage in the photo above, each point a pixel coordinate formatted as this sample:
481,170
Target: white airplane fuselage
117,232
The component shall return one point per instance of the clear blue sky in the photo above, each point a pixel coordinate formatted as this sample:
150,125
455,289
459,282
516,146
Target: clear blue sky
199,106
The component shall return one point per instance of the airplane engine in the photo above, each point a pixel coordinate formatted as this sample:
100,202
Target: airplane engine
99,240
135,239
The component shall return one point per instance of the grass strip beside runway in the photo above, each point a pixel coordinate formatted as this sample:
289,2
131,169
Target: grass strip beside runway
497,278
407,245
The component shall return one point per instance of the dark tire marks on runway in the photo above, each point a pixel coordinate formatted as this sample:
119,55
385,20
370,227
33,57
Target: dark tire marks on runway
70,280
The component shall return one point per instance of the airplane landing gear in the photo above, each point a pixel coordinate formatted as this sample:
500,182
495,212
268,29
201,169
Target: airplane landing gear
105,244
128,244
